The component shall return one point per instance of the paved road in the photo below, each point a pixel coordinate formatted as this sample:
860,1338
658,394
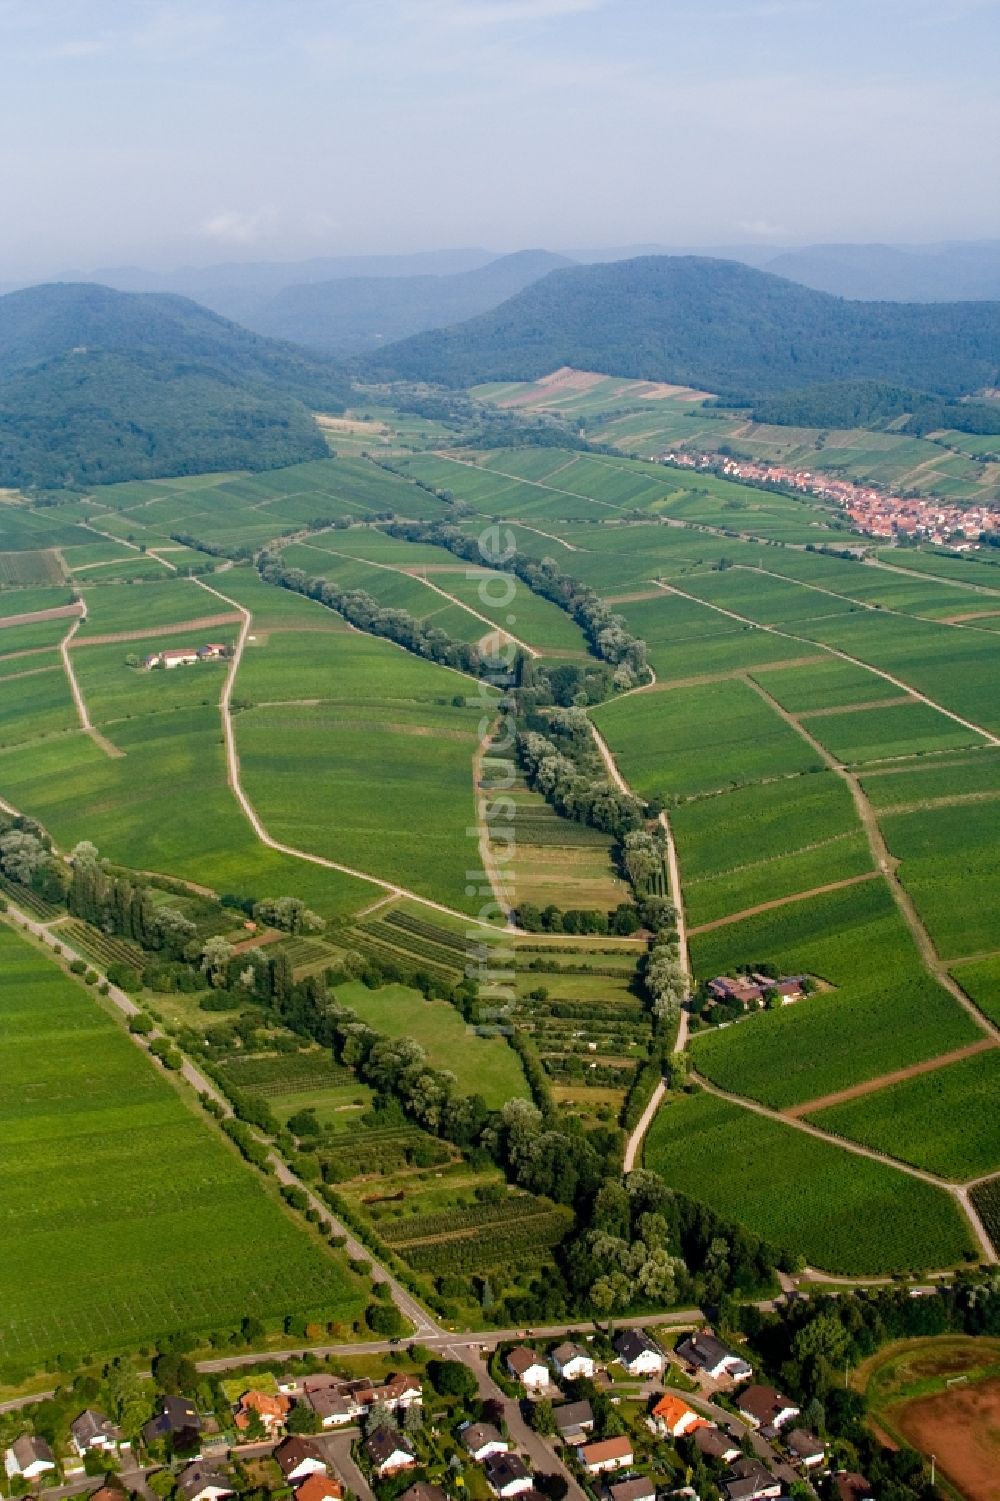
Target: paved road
337,1446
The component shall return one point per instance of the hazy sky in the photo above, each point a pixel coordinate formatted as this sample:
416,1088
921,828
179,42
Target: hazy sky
205,130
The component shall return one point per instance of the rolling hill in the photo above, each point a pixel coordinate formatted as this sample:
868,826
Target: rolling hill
718,325
347,315
98,386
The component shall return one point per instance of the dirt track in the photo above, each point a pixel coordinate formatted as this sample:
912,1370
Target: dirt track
784,901
869,1086
33,617
202,623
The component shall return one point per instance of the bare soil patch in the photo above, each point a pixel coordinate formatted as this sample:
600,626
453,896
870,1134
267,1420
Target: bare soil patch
60,612
961,1427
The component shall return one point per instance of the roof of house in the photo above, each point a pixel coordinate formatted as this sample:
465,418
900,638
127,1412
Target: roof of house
478,1435
619,1447
804,1444
328,1402
501,1469
177,1413
422,1491
564,1353
748,1478
673,1410
705,1350
764,1403
264,1404
638,1488
90,1425
522,1359
713,1443
317,1487
111,1490
194,1478
292,1451
29,1449
571,1415
385,1442
634,1342
851,1486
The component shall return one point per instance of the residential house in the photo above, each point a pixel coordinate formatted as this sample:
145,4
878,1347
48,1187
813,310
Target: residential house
714,1443
606,1454
111,1490
29,1457
174,1416
850,1486
482,1440
336,1401
640,1355
637,1488
92,1430
332,1407
202,1482
749,1480
271,1411
507,1475
389,1451
528,1367
572,1361
706,1353
422,1491
672,1417
298,1457
804,1447
766,1408
573,1421
319,1487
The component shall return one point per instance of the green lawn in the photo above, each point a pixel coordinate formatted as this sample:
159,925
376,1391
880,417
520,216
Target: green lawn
125,1215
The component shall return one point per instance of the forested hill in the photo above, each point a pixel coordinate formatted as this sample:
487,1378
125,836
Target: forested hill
98,386
714,324
349,314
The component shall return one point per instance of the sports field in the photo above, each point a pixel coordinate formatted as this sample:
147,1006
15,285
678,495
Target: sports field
126,1215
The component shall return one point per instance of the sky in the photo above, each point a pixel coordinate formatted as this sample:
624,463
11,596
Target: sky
200,131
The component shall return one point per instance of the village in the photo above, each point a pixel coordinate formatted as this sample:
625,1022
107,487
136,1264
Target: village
603,1416
872,512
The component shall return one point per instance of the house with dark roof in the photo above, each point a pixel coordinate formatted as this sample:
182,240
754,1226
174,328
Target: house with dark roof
298,1457
173,1416
527,1366
29,1457
92,1430
573,1421
703,1352
507,1475
749,1480
850,1486
714,1443
332,1407
636,1488
805,1448
638,1353
766,1408
421,1491
203,1482
389,1451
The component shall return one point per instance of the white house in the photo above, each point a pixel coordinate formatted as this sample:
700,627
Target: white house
181,656
482,1440
673,1418
572,1362
806,1448
92,1430
389,1452
766,1408
706,1353
507,1475
640,1355
606,1454
297,1457
528,1368
28,1456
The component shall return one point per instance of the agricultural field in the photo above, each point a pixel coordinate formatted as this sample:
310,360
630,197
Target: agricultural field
700,739
126,1262
18,569
980,979
888,731
121,609
945,1121
973,778
883,1011
34,706
843,1213
947,860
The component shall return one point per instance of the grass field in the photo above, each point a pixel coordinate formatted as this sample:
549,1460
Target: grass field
113,1253
481,1065
945,1121
844,1213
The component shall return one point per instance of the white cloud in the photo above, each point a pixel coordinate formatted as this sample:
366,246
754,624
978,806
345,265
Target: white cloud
479,13
237,226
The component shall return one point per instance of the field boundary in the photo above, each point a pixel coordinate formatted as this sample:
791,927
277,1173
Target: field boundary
885,1081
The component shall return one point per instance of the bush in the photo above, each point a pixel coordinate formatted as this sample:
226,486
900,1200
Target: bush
384,1318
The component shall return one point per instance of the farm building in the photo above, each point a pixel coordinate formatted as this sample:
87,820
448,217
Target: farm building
753,989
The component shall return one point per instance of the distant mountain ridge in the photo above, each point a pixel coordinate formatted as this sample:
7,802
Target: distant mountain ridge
355,313
98,385
717,325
